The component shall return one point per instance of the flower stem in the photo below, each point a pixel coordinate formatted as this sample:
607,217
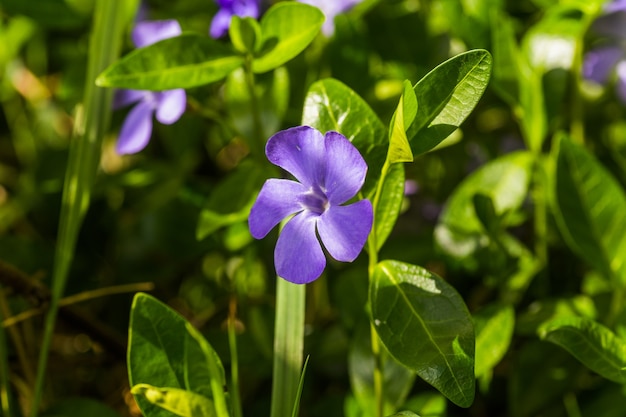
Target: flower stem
234,360
84,157
258,144
288,346
6,403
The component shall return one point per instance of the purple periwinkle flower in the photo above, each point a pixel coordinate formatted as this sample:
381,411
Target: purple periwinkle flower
168,105
331,8
228,9
601,62
329,171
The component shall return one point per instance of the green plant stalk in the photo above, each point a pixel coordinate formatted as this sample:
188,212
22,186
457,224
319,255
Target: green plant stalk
288,346
6,405
258,141
234,359
84,155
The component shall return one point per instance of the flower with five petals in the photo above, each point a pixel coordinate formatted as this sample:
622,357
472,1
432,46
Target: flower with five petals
329,171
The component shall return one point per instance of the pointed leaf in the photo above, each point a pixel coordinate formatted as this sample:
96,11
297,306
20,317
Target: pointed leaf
331,105
388,208
286,29
399,148
188,60
424,324
590,206
178,401
162,352
597,347
446,96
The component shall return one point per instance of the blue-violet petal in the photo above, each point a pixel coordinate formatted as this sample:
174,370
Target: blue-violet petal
276,200
136,130
345,169
344,229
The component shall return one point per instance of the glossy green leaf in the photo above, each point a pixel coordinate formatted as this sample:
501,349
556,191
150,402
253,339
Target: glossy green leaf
245,34
590,206
597,347
546,310
286,28
331,105
504,181
494,331
446,96
163,353
399,148
178,401
188,60
390,202
397,379
425,325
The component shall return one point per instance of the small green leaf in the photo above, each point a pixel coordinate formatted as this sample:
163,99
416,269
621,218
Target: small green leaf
399,148
590,206
286,28
424,324
178,401
188,60
390,202
494,332
245,34
597,347
162,353
446,96
331,105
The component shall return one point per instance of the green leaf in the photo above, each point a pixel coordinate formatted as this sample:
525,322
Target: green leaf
56,14
405,414
494,331
163,353
188,60
504,181
245,34
178,401
446,96
286,28
424,324
331,105
546,310
594,345
590,206
389,204
399,148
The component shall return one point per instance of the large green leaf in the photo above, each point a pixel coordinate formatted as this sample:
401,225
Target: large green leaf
446,96
331,105
286,29
597,347
163,353
424,324
590,206
494,331
388,208
188,60
175,400
505,181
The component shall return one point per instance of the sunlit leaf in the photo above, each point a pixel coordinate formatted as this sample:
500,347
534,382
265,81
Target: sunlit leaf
178,401
597,347
399,148
286,29
185,61
494,332
424,324
390,202
590,206
446,96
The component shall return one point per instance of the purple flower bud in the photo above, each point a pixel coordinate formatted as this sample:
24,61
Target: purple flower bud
329,171
228,9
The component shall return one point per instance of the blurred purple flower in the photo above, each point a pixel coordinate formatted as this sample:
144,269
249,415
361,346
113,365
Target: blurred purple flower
601,62
228,9
331,8
168,105
329,171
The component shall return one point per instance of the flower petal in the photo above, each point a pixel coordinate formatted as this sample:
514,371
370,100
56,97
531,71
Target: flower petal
600,62
344,229
345,169
220,23
171,105
301,152
298,255
136,130
246,8
277,200
151,31
123,98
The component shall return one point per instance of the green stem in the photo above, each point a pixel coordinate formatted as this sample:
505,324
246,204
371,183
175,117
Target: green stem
234,359
84,155
6,403
258,145
288,346
540,201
